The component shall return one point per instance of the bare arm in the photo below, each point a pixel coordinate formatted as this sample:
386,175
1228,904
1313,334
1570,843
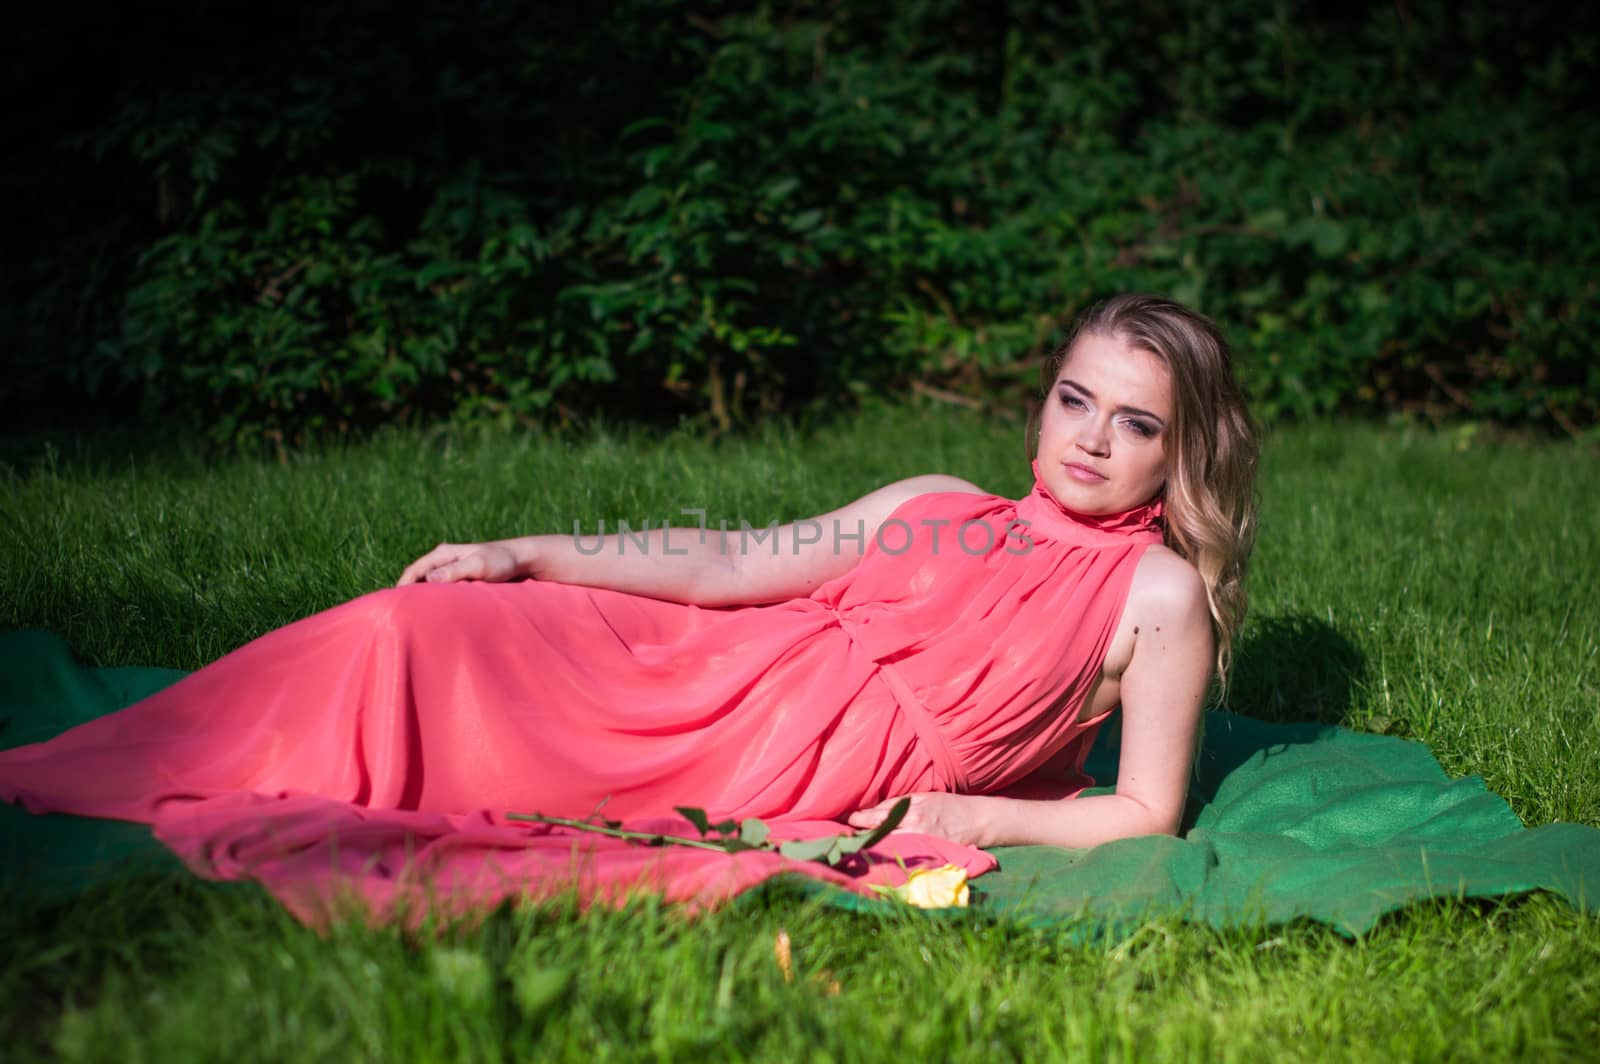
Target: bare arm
1162,692
684,565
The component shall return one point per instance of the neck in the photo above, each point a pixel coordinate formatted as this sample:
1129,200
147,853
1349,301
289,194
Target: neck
1138,522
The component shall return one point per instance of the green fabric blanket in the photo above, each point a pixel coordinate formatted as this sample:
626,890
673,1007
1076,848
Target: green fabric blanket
1305,820
1285,821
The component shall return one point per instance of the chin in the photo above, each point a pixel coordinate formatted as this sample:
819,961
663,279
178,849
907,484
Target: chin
1091,501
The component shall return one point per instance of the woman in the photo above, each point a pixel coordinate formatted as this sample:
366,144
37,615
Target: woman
927,639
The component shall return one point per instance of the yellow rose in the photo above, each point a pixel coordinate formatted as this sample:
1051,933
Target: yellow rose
933,888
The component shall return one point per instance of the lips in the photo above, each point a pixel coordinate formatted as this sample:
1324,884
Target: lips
1084,473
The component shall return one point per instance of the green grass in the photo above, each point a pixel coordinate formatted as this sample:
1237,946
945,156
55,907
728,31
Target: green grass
1434,586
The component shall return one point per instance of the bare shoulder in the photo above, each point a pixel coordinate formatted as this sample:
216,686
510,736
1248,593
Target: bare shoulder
928,484
1167,596
1165,611
1167,584
876,506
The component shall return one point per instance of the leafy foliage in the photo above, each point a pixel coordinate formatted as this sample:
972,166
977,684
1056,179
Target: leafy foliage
736,836
319,223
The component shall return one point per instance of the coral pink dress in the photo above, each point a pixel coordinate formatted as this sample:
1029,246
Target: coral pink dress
374,749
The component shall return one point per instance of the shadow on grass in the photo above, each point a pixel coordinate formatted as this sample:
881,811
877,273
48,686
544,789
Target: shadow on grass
1294,668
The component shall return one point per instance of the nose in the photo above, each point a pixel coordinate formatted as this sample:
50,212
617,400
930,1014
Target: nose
1093,438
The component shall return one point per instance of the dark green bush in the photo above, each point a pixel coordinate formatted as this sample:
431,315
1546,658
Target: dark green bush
338,216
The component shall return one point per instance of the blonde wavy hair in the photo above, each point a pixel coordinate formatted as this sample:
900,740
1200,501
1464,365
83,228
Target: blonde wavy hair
1212,446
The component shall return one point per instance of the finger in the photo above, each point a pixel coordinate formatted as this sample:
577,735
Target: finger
467,567
418,570
866,818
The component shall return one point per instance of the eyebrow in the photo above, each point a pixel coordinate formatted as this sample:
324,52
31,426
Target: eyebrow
1158,419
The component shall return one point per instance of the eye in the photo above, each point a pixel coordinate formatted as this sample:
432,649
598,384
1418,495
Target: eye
1142,429
1071,402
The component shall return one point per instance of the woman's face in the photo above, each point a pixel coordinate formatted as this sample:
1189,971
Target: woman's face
1103,430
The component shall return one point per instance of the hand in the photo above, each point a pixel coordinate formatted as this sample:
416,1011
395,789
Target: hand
956,817
492,562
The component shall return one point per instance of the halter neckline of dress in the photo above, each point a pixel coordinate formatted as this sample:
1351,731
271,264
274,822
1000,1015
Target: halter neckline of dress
1048,519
